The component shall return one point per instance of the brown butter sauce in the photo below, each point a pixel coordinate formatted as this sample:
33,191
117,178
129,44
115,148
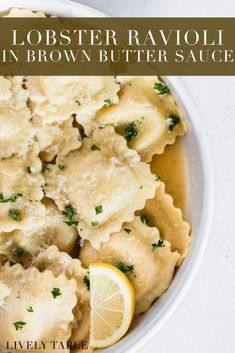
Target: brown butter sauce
171,166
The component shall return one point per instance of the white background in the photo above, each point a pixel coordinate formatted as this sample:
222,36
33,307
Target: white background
205,321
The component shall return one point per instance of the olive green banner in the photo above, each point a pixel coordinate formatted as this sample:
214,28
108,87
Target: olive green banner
111,46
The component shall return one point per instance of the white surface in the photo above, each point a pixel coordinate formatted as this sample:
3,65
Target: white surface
205,321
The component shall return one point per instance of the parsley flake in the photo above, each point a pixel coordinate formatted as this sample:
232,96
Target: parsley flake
9,199
98,209
87,282
108,102
159,244
30,309
144,219
14,215
124,268
127,230
94,224
157,178
77,102
131,130
94,148
45,169
56,292
70,212
29,169
61,167
18,295
161,88
19,325
19,252
173,120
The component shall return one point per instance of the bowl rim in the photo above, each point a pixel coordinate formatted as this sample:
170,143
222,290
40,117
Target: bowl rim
58,7
135,341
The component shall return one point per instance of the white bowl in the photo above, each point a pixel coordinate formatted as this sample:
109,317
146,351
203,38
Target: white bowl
201,189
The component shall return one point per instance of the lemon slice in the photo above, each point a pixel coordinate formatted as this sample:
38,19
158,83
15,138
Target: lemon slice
112,304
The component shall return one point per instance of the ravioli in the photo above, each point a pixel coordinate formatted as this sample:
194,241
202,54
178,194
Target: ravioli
38,308
54,138
15,12
105,183
16,131
22,245
56,98
60,262
149,121
150,271
5,291
21,192
75,155
162,214
5,90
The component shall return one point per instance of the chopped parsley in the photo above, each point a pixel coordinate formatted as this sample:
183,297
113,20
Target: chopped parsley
61,167
70,212
29,169
159,244
157,178
9,199
124,268
14,215
144,219
98,209
141,187
94,148
94,224
30,309
173,120
18,295
127,230
87,282
19,251
56,292
19,325
108,102
161,88
45,169
77,102
131,130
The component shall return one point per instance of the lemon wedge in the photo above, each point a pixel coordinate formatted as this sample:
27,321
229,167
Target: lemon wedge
112,304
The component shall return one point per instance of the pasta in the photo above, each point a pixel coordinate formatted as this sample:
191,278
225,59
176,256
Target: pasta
38,307
4,292
57,98
22,245
151,271
162,214
59,262
54,139
15,12
21,192
14,118
101,210
148,120
76,188
82,166
5,89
